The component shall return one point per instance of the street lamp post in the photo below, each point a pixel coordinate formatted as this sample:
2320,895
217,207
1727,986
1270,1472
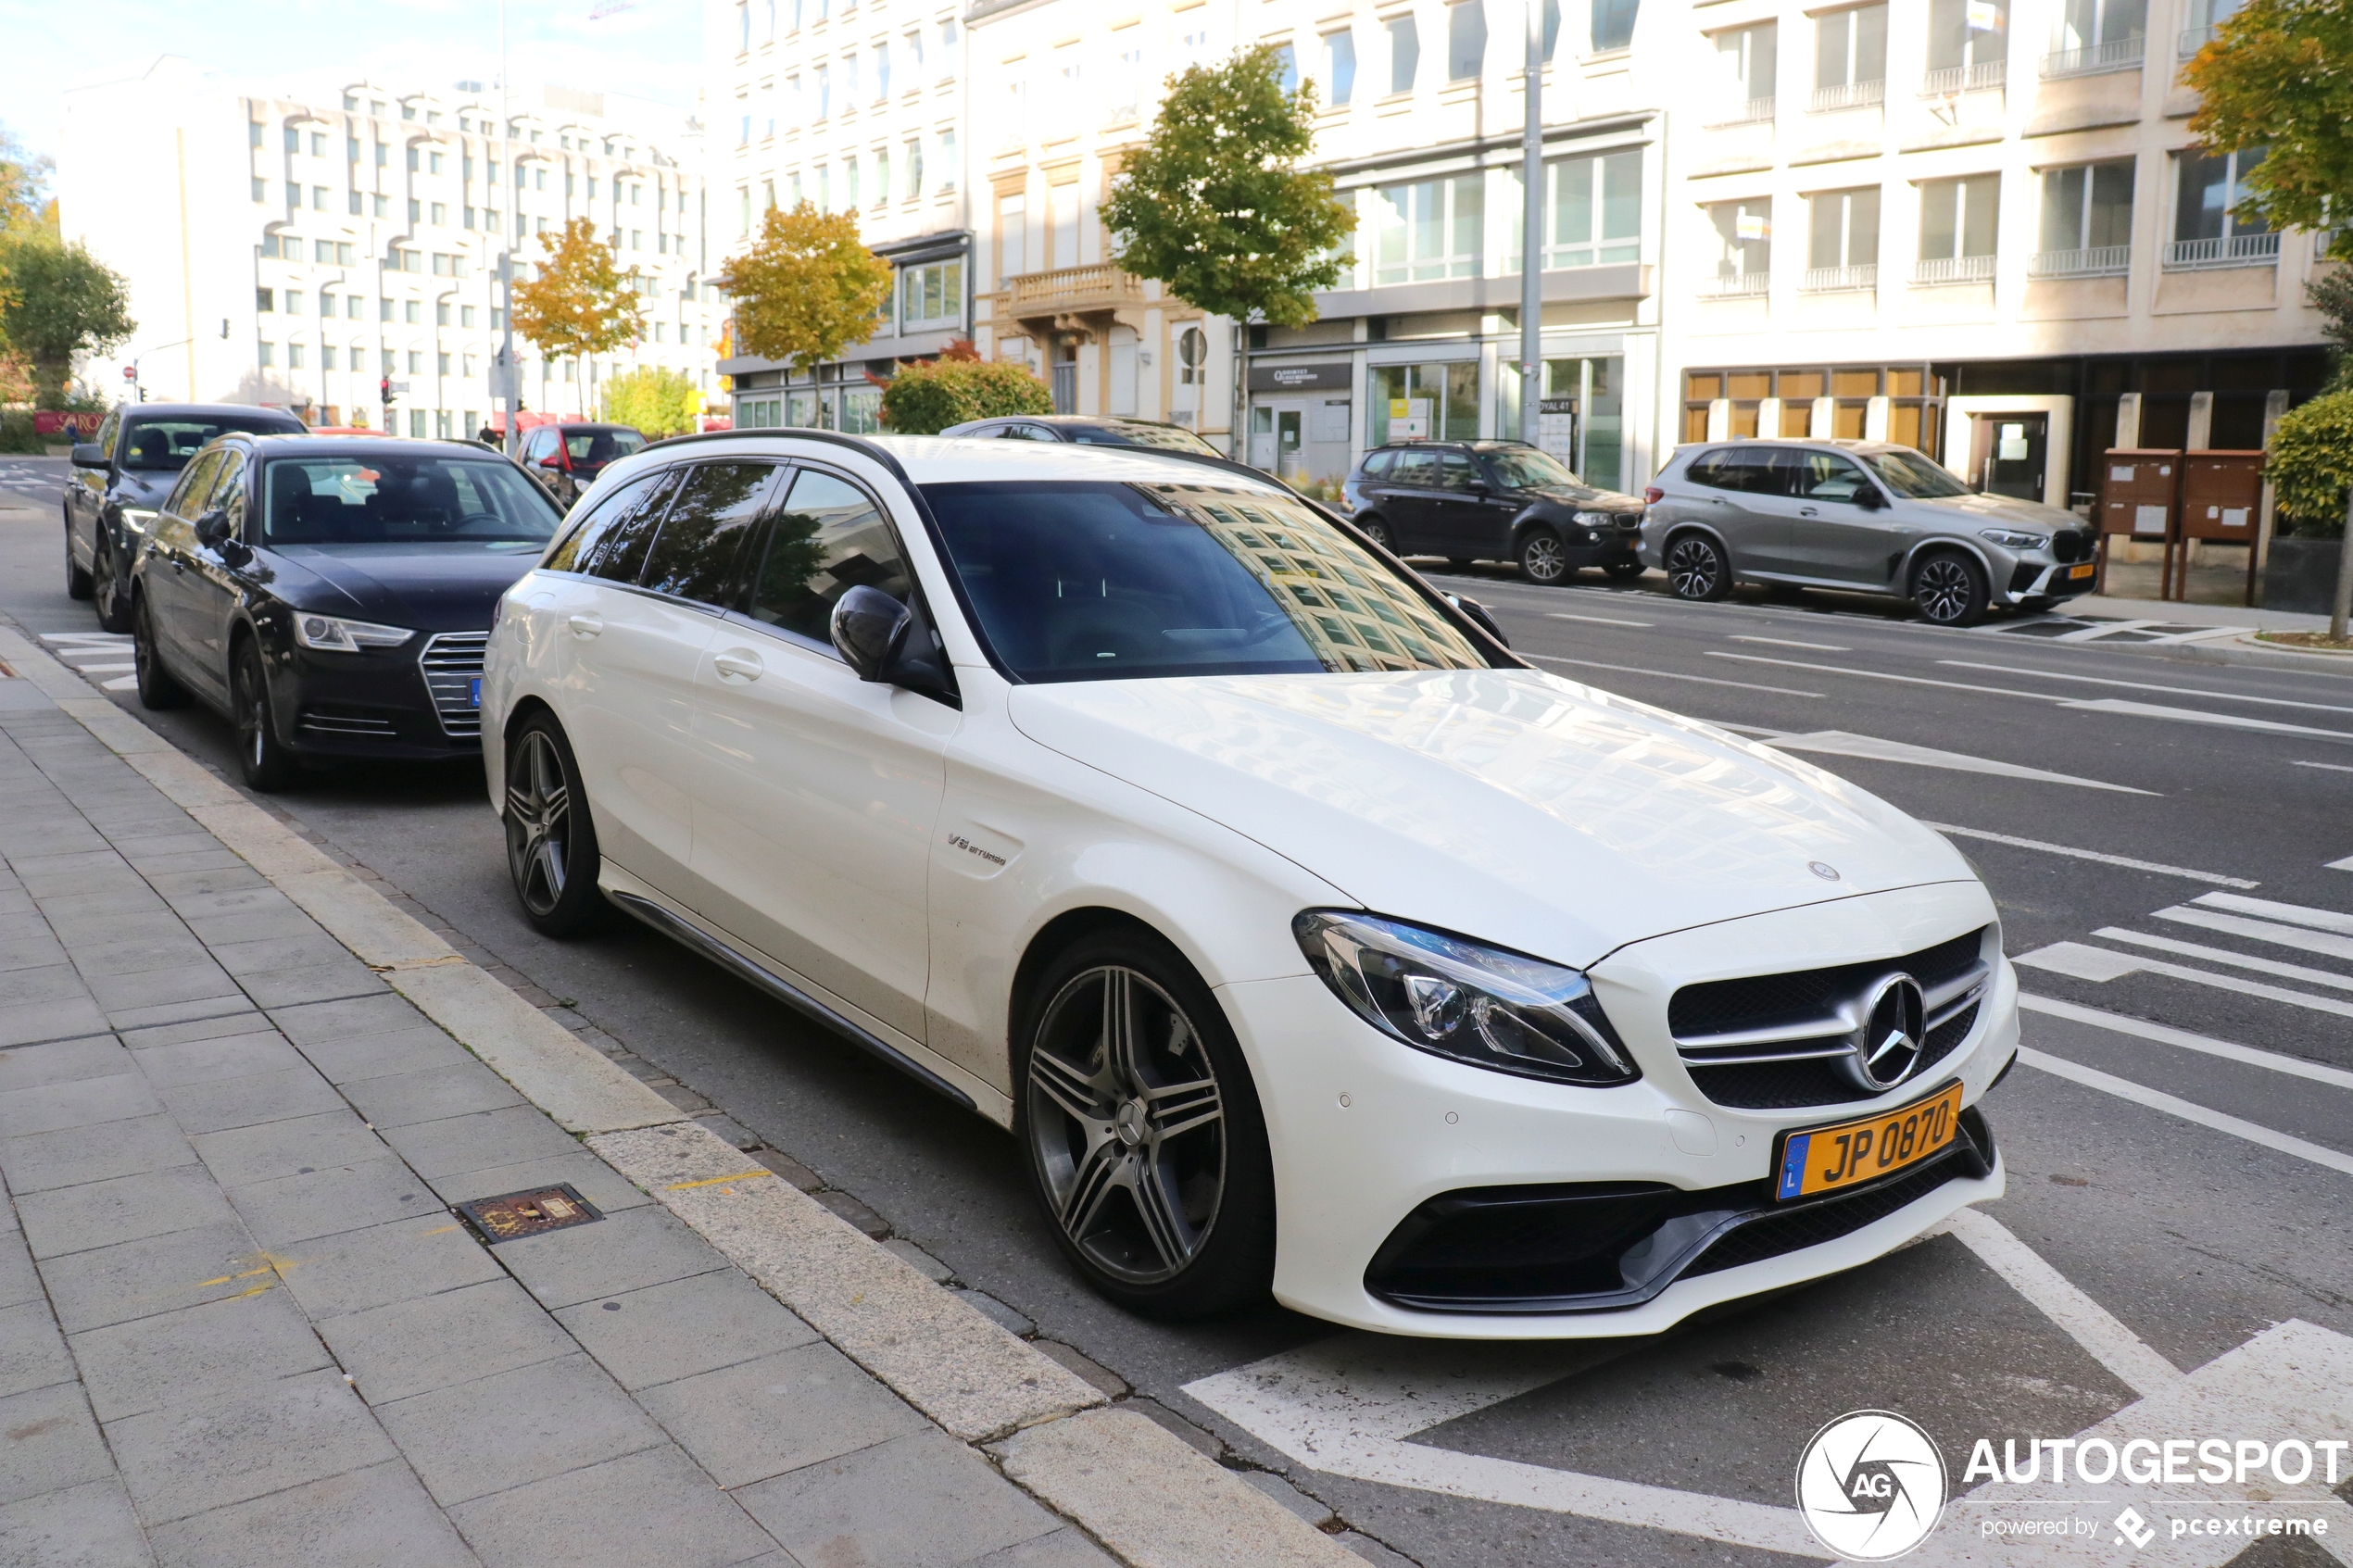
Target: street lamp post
509,379
1531,260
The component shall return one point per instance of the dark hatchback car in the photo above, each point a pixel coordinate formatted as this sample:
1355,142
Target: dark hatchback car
331,594
1088,430
122,475
568,458
1494,500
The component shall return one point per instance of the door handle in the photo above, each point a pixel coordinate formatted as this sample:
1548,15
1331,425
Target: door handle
1807,511
1717,501
584,625
740,664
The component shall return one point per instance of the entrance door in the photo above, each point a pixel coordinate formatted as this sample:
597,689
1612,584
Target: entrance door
2007,454
1275,431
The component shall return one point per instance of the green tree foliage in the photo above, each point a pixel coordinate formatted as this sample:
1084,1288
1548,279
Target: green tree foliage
58,302
2279,75
2331,293
658,402
805,288
580,302
2311,465
924,399
1213,204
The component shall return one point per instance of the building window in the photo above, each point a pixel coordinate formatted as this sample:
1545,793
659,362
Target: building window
1967,45
1613,24
1842,240
1428,229
2208,227
294,301
1404,54
1744,237
914,166
882,176
1749,59
253,132
931,296
355,203
440,213
269,355
882,73
850,182
2087,221
416,362
432,163
1466,40
1339,66
2097,35
1850,58
1958,230
825,92
327,357
1422,402
465,314
1596,211
262,299
947,161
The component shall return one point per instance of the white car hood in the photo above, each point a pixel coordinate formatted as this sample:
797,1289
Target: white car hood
1507,804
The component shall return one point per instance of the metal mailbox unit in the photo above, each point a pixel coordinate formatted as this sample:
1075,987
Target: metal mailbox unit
2175,496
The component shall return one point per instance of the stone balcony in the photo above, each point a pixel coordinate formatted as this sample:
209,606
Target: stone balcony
1082,300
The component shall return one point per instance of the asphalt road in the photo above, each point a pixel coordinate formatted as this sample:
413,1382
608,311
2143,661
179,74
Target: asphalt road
2193,1196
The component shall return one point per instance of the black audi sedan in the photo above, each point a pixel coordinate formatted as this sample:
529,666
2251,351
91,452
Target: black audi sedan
121,476
331,594
1494,500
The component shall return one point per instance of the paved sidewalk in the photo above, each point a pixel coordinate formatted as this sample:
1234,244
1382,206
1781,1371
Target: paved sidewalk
241,1325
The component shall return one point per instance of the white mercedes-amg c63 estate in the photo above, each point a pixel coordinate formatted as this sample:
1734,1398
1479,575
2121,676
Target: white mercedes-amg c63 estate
1304,937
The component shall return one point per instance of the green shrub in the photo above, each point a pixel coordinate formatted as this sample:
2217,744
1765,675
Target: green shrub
17,433
926,399
2311,466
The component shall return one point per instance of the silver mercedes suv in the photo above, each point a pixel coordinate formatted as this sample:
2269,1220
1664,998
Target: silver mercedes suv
1860,515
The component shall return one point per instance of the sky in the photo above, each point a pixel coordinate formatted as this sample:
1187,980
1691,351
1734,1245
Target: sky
653,50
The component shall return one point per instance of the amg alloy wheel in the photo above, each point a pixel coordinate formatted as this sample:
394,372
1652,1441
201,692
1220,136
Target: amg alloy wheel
1697,569
551,845
1143,1136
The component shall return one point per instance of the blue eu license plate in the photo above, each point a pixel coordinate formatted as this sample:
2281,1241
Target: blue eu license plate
473,692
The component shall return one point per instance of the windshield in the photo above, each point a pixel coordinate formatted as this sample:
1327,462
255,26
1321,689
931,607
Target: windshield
1168,437
165,446
1526,468
1913,476
598,447
378,499
1093,581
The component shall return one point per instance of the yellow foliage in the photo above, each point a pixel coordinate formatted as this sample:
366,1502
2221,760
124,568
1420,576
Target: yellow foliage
579,302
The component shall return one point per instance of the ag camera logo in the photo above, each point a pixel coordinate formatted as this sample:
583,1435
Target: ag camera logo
1870,1485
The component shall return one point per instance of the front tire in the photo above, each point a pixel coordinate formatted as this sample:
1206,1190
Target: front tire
1543,560
113,599
1142,1132
1377,530
551,843
1697,570
157,690
1950,590
262,757
77,583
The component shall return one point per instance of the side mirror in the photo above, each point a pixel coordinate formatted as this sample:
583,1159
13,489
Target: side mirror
1478,614
1870,499
887,642
1480,487
88,455
552,460
212,528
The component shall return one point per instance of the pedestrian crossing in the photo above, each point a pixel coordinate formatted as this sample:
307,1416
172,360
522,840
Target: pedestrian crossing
2295,955
105,657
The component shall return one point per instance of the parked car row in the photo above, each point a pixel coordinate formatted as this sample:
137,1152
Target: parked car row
1166,821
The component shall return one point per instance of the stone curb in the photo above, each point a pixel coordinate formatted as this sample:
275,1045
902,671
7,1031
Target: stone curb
1155,1502
1158,1503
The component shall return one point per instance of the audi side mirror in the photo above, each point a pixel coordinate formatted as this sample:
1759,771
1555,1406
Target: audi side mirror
212,528
552,460
88,455
887,642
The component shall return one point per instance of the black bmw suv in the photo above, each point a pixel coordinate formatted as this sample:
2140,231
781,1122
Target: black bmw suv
1494,500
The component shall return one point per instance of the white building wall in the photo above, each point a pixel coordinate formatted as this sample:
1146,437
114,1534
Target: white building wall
311,275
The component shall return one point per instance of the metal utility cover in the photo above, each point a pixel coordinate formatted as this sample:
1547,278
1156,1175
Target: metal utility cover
515,1214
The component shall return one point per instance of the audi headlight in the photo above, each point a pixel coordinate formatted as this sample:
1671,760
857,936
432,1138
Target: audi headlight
1464,1000
333,636
2013,539
136,518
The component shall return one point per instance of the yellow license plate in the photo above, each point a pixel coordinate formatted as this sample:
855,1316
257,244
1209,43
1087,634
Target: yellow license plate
2084,571
1847,1154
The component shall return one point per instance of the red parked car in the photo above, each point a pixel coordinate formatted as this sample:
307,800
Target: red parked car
568,458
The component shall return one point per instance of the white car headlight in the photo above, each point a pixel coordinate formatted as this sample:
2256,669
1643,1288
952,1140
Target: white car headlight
335,635
1596,519
2014,539
1464,1000
137,516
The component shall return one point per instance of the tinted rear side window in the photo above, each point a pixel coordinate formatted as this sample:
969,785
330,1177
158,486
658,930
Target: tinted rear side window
1747,469
613,543
1378,464
827,539
1418,469
694,556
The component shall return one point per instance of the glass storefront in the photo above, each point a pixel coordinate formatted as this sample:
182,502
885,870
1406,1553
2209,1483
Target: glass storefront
1422,402
1584,414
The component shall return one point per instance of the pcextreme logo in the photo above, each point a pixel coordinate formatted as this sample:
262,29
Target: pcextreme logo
1871,1486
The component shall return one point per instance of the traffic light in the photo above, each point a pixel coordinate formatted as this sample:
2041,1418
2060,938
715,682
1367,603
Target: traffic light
383,391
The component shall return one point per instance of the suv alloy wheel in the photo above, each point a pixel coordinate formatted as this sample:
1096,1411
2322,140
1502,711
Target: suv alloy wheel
1696,568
